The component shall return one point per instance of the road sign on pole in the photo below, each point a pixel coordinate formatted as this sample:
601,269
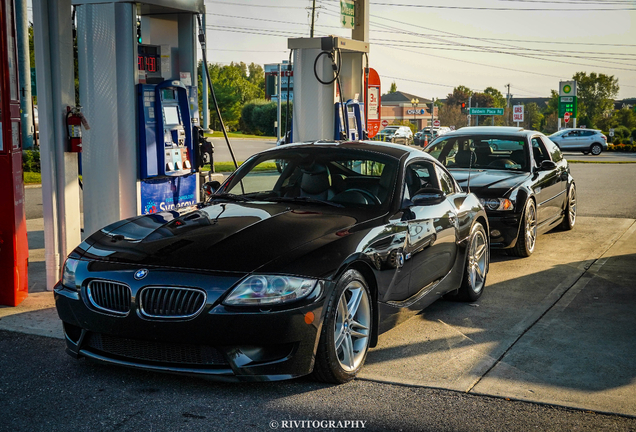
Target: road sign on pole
436,123
566,117
486,111
347,13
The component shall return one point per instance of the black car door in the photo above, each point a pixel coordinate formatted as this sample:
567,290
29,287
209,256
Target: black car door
549,184
431,243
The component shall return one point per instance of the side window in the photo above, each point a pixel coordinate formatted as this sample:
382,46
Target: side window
445,181
554,151
587,133
539,151
419,175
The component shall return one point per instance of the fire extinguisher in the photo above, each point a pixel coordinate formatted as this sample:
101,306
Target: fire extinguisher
74,122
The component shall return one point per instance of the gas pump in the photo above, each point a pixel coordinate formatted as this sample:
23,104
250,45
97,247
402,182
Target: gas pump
142,152
14,250
337,76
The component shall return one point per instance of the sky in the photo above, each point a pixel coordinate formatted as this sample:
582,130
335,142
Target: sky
428,47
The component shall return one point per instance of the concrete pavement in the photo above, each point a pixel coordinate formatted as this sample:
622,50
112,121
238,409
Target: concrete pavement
555,328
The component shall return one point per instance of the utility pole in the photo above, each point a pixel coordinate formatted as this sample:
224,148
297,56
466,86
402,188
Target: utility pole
313,16
432,115
469,118
508,105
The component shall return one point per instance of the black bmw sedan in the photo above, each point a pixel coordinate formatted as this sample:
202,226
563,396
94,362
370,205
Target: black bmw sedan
520,176
278,274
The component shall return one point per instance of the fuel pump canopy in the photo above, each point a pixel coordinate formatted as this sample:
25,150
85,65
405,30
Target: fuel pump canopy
157,6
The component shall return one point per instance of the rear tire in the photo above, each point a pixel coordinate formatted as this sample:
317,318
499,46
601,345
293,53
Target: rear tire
596,149
585,152
570,210
346,331
527,238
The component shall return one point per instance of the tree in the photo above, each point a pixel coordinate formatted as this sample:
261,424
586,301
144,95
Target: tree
451,115
499,101
596,93
533,117
233,88
459,95
393,88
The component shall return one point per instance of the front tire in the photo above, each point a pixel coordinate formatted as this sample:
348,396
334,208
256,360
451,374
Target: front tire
596,149
477,262
527,238
346,331
570,210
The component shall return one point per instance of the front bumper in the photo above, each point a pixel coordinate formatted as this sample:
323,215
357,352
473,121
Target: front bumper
505,228
222,342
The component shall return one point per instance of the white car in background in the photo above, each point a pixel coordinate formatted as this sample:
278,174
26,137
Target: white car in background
584,140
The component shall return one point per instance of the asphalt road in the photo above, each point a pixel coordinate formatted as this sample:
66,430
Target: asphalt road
242,148
44,389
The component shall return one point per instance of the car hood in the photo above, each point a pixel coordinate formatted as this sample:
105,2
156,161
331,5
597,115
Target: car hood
490,183
237,237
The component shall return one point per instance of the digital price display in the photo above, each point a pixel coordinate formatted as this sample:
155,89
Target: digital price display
149,60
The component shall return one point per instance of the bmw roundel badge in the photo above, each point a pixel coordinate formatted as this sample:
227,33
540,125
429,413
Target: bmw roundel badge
140,274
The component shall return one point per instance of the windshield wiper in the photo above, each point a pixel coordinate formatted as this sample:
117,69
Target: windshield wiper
303,199
229,196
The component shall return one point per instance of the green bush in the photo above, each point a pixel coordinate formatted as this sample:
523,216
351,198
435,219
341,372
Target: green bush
621,132
31,161
634,134
628,148
245,122
258,117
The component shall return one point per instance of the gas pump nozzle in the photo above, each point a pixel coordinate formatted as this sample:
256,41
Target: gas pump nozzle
204,148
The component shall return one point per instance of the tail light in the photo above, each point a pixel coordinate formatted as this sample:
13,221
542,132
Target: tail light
604,137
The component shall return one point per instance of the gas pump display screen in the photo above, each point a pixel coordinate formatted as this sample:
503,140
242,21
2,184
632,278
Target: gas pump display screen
167,95
171,114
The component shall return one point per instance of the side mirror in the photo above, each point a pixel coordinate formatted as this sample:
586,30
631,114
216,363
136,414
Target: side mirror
428,196
210,187
547,165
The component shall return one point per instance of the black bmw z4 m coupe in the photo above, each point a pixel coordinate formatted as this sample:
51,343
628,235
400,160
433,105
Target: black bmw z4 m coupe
278,274
520,176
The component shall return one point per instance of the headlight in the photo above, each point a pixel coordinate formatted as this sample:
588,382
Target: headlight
68,273
270,290
499,204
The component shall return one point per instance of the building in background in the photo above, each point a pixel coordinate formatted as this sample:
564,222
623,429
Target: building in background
271,85
398,107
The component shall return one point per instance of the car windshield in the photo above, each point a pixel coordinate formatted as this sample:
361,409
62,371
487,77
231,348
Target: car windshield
329,176
489,152
558,133
388,130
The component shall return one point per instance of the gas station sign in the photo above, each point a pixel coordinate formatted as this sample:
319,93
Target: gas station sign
373,99
568,100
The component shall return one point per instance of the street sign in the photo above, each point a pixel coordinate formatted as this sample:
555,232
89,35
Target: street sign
347,13
517,113
436,123
385,123
566,117
486,111
611,132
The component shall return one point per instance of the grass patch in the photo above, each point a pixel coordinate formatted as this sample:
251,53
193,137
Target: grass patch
219,134
32,178
229,167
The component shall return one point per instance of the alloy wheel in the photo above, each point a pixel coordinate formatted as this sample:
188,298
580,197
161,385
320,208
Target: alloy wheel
477,261
596,149
531,227
353,321
572,206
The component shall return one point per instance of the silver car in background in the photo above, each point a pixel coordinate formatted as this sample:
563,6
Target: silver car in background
584,140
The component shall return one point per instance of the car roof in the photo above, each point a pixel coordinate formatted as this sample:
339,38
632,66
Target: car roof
585,129
490,130
395,150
